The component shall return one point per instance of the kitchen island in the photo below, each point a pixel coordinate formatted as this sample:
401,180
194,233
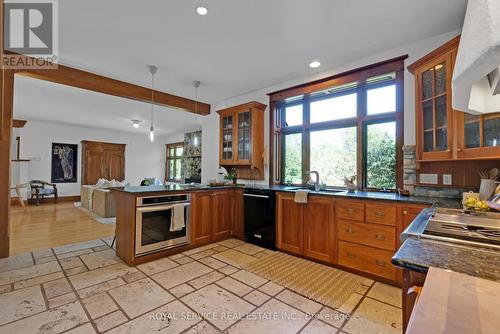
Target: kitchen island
215,213
418,255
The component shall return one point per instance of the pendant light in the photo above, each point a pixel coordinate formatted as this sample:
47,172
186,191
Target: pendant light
196,140
152,69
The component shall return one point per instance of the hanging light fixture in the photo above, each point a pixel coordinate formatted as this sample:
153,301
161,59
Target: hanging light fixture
196,140
152,69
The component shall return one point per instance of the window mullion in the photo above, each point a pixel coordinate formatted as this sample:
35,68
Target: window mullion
306,142
360,139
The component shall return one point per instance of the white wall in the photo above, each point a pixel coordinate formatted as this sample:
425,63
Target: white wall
142,158
414,52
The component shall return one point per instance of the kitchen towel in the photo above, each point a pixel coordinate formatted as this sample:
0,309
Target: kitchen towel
301,196
177,218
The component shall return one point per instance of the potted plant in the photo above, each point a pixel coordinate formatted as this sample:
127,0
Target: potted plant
232,175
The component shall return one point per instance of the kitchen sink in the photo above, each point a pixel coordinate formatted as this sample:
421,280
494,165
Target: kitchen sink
331,191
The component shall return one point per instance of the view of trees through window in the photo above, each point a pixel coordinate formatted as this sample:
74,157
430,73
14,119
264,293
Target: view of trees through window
381,155
174,161
293,158
333,154
330,131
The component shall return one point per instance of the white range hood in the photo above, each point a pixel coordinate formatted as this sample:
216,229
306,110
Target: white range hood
476,77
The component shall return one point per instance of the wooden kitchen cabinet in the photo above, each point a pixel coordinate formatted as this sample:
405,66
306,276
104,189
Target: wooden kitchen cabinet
368,259
201,217
238,225
212,215
318,228
441,132
222,213
102,160
241,143
434,115
290,224
478,136
306,229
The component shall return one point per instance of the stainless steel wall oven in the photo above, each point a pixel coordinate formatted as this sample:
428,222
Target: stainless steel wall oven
154,218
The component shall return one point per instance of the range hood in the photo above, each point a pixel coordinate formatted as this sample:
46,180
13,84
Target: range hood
476,77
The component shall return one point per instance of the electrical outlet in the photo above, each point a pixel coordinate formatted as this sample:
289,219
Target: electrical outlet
429,178
447,179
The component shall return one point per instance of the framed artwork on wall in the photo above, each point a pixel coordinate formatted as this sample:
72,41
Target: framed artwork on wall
64,163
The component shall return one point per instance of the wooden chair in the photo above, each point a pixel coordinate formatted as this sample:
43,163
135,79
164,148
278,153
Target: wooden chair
38,190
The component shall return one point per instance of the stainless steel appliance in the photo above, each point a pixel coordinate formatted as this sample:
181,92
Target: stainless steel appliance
465,227
259,208
153,218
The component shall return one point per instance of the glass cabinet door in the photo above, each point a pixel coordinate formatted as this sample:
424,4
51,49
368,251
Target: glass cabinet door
481,135
435,108
244,135
227,138
472,136
491,130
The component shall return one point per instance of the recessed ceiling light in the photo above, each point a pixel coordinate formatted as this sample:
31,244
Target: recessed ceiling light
202,10
135,123
314,64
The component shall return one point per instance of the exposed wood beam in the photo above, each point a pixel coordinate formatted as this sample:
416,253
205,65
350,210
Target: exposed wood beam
18,123
70,76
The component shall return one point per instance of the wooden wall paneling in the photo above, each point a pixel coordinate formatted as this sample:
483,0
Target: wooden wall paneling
7,100
465,173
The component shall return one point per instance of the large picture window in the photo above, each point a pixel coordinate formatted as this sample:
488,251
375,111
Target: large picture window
344,126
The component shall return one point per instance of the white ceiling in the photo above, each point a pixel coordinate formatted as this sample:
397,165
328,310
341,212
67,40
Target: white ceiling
44,101
240,46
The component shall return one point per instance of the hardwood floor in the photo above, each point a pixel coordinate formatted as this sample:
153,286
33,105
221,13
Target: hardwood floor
51,225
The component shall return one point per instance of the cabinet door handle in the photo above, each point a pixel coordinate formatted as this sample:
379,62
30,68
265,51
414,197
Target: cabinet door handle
349,210
379,214
349,230
380,237
405,212
351,255
380,263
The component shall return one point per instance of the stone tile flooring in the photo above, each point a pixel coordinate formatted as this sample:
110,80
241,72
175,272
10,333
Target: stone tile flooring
85,288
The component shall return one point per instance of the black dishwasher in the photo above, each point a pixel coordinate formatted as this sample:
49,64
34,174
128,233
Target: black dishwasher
259,207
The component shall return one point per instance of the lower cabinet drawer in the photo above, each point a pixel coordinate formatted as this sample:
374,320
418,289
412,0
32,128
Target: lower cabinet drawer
367,259
368,234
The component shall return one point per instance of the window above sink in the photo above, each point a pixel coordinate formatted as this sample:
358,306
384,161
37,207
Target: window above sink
343,126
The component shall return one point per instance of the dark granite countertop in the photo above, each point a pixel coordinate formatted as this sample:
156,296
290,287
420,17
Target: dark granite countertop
419,254
366,195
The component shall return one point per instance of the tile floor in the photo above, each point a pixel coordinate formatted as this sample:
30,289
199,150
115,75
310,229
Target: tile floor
85,288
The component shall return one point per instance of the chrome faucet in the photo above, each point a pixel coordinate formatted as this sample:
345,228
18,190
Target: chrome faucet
316,184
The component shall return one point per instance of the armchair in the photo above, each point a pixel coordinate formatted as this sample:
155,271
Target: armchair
38,190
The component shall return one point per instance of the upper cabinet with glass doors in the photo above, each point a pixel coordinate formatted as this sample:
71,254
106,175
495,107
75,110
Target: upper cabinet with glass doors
441,132
434,114
242,138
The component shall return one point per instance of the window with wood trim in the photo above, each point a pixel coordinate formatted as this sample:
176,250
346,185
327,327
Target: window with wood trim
174,162
347,125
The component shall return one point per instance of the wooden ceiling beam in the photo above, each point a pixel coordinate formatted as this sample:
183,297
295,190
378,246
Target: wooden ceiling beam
70,76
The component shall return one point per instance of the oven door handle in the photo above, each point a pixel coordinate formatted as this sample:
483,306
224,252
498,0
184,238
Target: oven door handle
158,207
258,196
